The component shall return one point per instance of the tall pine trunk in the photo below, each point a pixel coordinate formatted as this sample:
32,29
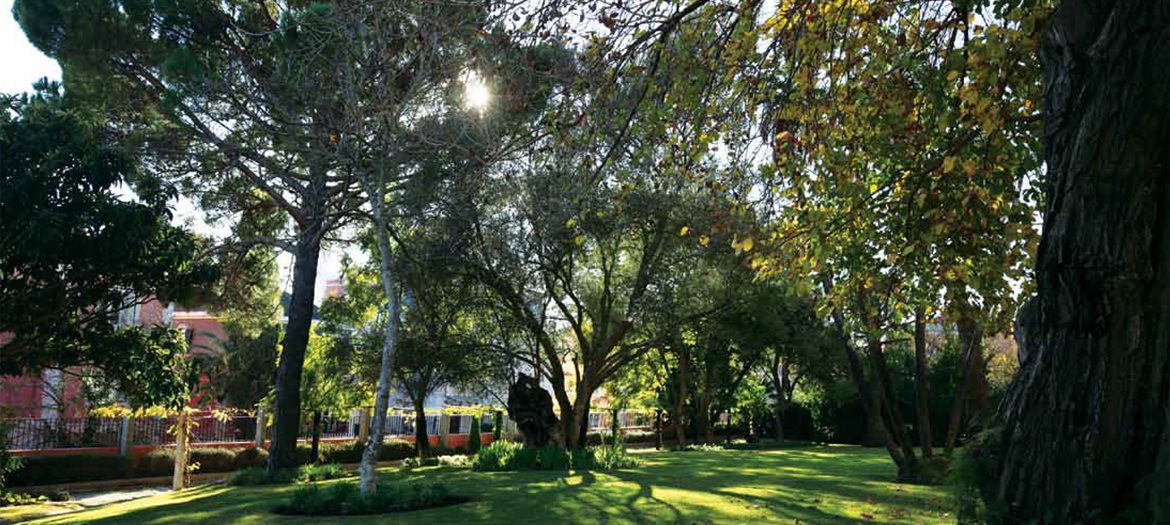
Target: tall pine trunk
287,406
1083,431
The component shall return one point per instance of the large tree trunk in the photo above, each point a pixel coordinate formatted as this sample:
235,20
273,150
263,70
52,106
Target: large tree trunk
315,447
1084,427
875,434
972,388
422,444
287,407
680,400
923,390
898,442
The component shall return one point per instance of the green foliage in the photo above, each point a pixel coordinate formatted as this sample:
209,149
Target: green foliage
15,498
302,474
69,468
350,452
8,462
473,438
250,457
161,462
496,456
502,456
345,499
457,461
74,252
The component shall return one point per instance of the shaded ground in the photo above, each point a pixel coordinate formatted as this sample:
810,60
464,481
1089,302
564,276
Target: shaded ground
813,485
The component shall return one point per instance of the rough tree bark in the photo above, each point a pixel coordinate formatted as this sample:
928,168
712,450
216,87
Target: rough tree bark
922,397
422,444
1083,431
287,406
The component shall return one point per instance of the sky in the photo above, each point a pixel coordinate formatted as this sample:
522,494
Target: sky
21,64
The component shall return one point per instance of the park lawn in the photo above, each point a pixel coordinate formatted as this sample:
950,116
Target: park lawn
836,484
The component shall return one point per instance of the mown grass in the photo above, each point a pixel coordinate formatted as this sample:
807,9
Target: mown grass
835,484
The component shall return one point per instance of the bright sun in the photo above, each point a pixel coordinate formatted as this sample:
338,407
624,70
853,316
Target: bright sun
475,92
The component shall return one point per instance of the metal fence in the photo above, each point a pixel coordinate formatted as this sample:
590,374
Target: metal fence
64,433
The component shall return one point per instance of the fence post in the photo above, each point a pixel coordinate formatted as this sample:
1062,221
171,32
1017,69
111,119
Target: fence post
260,426
364,425
180,477
124,437
444,429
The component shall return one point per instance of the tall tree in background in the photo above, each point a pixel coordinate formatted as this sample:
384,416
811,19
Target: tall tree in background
1084,434
74,253
210,91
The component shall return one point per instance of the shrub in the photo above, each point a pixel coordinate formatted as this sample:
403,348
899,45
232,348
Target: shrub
416,462
611,458
161,462
631,437
308,473
255,476
15,498
214,459
505,456
69,468
496,457
349,452
301,474
473,440
345,499
250,457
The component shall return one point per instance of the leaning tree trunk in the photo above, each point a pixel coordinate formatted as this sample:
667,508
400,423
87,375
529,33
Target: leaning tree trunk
972,388
922,398
1084,427
287,406
367,471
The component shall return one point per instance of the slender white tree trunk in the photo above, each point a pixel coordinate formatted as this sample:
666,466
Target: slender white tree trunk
368,469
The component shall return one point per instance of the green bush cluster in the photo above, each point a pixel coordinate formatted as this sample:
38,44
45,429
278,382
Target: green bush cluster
72,468
345,499
69,468
351,451
631,437
301,474
162,462
505,456
456,460
473,438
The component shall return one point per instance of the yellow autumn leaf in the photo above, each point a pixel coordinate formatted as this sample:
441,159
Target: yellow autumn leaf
948,164
570,223
969,167
684,231
746,244
704,240
580,239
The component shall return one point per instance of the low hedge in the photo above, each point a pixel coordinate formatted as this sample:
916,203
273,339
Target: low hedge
162,462
351,451
69,468
72,468
631,437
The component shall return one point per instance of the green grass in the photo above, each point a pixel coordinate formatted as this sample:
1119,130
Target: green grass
812,484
